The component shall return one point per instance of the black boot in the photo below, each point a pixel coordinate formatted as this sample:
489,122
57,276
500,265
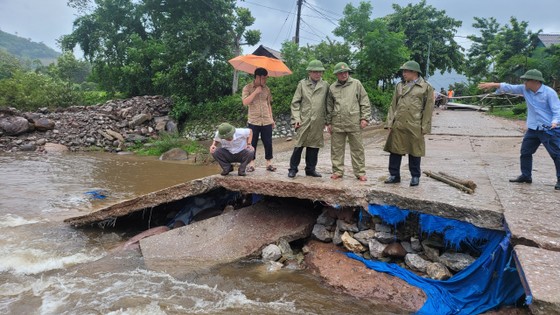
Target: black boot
393,180
313,174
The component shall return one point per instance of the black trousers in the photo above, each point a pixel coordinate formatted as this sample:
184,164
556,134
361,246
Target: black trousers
265,133
311,155
395,165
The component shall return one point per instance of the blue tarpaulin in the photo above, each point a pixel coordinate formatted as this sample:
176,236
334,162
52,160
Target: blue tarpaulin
489,282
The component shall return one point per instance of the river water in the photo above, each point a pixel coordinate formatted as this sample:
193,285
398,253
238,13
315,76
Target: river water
48,267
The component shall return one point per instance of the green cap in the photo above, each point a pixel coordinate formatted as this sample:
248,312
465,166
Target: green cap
226,131
533,74
341,67
411,65
315,65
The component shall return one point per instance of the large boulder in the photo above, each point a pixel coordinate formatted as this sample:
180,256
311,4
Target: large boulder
175,154
43,124
14,125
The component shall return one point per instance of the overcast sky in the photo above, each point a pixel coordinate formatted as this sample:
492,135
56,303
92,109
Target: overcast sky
46,20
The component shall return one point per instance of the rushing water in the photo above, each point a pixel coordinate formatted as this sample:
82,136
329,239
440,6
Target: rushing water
48,267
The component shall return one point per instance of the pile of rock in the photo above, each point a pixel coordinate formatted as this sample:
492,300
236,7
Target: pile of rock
372,239
201,132
111,126
281,255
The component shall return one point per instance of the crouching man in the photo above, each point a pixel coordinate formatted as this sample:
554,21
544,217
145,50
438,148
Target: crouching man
235,147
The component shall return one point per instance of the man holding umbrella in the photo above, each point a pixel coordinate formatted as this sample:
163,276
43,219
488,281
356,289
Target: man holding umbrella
309,106
256,96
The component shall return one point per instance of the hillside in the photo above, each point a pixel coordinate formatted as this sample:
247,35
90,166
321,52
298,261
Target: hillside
23,48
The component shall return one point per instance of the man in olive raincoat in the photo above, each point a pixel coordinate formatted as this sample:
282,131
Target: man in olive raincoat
408,120
309,106
348,112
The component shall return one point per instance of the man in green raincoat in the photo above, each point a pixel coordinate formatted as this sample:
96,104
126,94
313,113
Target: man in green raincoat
308,118
348,112
408,120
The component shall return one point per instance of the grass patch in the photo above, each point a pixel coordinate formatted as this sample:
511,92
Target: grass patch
165,143
518,112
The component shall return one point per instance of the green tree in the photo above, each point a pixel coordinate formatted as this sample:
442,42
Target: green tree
70,69
549,62
515,39
106,36
243,20
379,51
356,24
330,52
481,54
501,53
9,64
382,54
154,47
429,36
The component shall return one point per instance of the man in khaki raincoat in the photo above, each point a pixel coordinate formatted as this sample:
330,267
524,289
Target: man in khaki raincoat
408,120
348,112
309,106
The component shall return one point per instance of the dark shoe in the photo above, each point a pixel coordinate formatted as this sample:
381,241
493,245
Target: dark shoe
241,173
292,173
393,180
225,172
414,181
313,174
521,179
557,186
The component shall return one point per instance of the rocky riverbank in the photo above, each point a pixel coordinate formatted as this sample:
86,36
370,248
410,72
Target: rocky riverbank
112,127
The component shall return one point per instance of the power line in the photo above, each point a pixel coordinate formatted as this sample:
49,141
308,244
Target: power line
314,30
328,19
281,28
336,15
264,6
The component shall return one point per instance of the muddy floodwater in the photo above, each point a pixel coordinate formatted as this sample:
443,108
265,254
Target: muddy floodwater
48,267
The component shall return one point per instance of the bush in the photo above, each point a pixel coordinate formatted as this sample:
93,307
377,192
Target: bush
228,108
98,97
381,99
30,91
519,109
165,143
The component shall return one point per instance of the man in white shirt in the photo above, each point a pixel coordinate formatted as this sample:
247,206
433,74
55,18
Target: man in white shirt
235,147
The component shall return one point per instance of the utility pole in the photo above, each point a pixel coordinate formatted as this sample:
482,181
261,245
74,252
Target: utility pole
299,3
428,59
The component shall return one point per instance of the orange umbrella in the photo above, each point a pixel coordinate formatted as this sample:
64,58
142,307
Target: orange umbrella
248,63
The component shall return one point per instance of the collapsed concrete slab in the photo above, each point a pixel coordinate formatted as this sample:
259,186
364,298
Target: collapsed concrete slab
540,269
229,237
348,192
166,195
